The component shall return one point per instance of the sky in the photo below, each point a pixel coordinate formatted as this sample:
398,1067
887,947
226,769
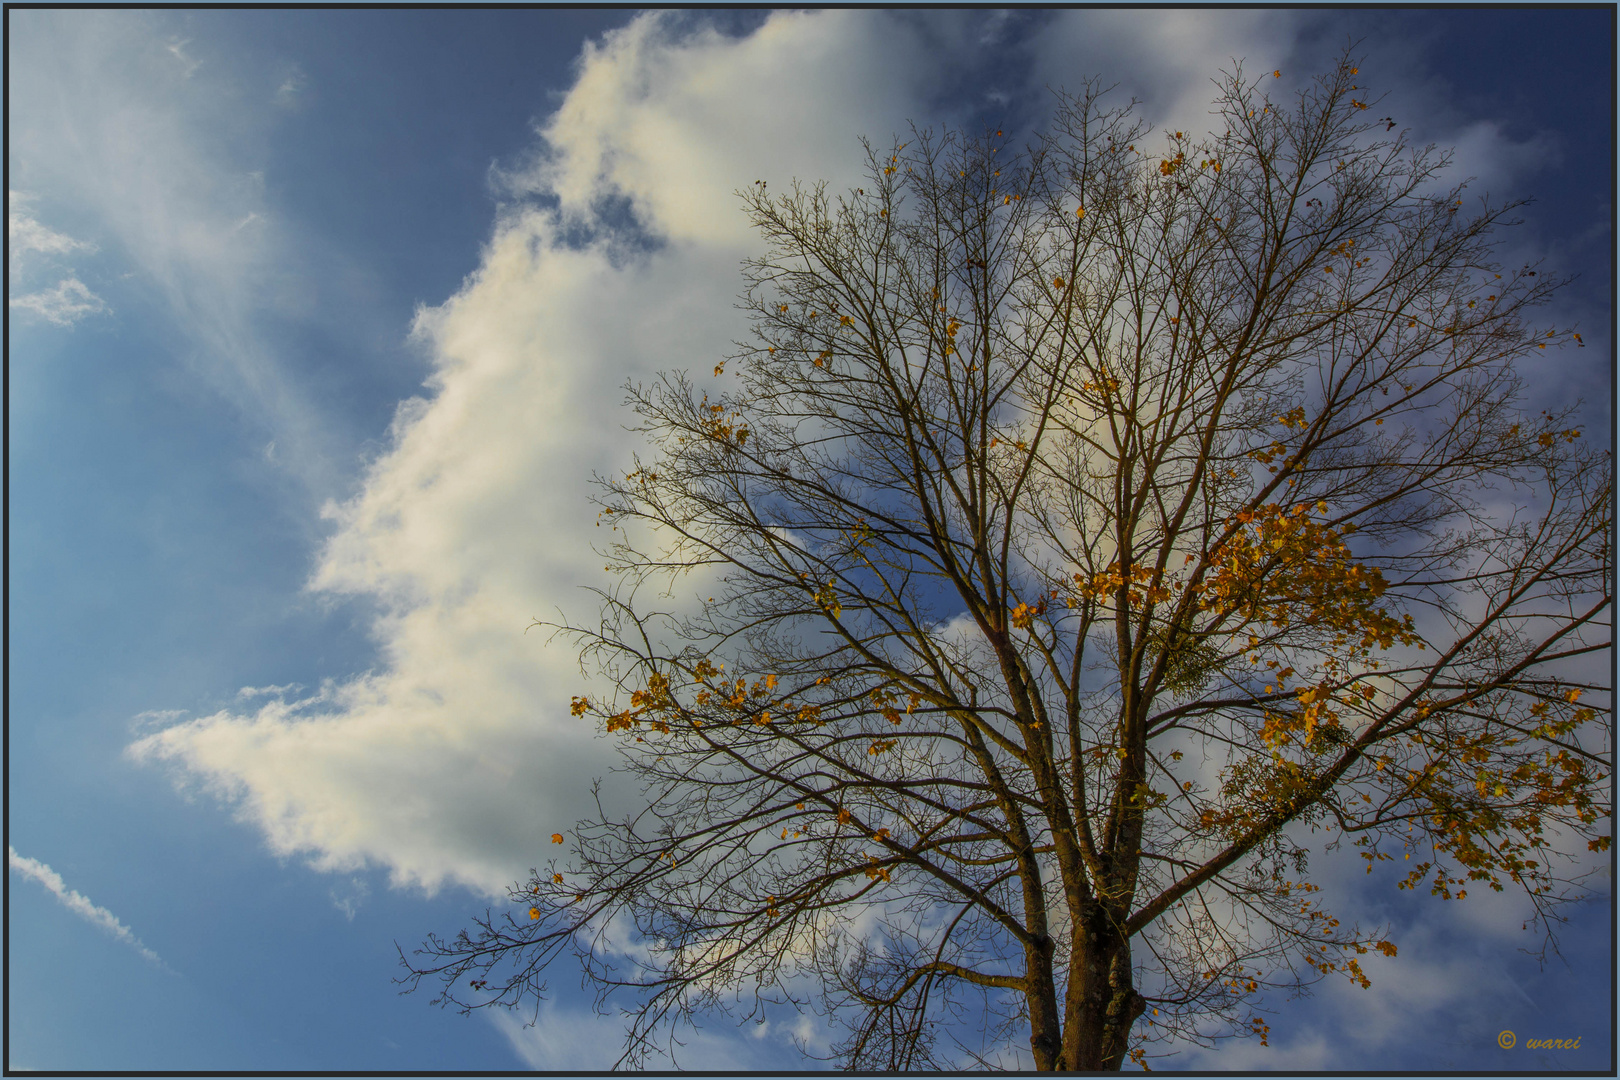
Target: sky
319,323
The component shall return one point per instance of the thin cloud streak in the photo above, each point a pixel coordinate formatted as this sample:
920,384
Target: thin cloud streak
79,904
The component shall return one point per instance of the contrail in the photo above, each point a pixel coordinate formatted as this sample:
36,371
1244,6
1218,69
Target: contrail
80,905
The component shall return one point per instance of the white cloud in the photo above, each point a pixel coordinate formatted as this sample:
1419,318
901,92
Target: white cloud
450,762
64,305
560,1039
678,122
25,234
264,691
78,904
26,237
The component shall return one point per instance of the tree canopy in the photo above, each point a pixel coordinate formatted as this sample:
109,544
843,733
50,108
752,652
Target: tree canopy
1087,537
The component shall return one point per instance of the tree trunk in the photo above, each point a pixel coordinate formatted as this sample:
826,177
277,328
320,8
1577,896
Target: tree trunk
1102,1005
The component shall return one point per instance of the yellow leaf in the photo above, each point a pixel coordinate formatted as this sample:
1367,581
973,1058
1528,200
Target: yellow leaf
556,838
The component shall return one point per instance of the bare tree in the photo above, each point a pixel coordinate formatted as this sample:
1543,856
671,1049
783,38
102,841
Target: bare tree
1091,533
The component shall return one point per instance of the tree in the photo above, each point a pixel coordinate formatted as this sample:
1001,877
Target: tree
1093,533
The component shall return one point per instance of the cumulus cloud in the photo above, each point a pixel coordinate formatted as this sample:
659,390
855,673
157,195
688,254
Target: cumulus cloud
450,761
79,904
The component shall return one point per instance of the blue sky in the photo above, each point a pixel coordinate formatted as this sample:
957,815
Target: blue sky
318,322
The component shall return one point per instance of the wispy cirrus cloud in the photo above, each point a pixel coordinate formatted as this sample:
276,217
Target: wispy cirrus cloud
79,904
126,126
188,65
